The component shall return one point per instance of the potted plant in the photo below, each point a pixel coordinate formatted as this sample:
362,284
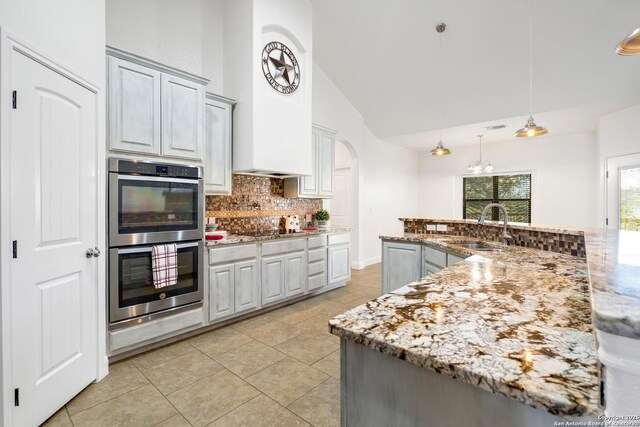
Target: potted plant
322,218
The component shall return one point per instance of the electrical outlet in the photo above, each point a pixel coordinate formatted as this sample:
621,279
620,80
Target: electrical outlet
441,227
431,227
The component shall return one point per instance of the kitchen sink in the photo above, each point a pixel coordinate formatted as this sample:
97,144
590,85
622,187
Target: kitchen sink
480,246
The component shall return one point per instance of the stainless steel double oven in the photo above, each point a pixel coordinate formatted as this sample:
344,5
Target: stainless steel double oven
149,204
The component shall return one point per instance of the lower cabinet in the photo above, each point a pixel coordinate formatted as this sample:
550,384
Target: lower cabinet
401,264
221,291
246,286
272,279
339,261
295,274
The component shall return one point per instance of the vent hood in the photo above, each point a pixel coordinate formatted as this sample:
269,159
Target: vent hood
271,129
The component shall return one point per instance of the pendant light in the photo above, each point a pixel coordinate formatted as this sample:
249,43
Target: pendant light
530,128
480,166
440,150
630,45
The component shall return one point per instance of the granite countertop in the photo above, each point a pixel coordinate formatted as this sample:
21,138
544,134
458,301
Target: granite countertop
516,323
241,238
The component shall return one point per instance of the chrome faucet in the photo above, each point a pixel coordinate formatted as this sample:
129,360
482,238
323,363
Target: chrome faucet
506,237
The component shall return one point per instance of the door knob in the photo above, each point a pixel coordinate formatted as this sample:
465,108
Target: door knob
92,252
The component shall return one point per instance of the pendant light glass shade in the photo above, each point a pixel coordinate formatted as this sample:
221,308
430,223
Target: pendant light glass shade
630,45
440,150
530,129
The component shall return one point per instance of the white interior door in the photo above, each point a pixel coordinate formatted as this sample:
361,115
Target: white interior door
341,204
53,217
623,192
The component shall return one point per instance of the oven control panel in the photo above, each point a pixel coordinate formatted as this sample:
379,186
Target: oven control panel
156,169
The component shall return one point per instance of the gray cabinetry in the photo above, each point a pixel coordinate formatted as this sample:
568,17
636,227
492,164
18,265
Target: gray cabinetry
401,264
246,286
338,259
182,126
272,279
218,115
221,291
295,276
134,107
320,183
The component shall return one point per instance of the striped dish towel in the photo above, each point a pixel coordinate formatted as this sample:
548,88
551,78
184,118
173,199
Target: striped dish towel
164,265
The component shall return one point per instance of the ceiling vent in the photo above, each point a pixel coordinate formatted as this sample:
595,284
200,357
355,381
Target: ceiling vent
495,127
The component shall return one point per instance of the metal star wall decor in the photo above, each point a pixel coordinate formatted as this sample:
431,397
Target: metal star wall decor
280,67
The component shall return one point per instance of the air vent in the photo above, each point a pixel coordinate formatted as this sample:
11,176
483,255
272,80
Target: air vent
495,127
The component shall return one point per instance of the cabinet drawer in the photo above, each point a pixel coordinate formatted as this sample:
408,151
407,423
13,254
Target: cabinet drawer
316,267
283,246
316,282
317,254
233,253
336,239
435,257
317,241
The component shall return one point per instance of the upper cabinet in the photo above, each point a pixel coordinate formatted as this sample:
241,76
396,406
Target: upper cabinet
218,119
154,109
320,183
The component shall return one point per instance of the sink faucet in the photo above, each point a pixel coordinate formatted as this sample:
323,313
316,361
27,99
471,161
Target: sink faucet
506,237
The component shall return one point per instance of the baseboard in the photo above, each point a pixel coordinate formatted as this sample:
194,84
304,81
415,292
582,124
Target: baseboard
359,265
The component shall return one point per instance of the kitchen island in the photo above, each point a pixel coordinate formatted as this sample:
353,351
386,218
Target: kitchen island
503,338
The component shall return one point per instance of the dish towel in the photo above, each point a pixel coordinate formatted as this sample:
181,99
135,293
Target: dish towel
164,265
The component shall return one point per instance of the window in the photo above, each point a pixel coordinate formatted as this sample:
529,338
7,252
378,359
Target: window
512,191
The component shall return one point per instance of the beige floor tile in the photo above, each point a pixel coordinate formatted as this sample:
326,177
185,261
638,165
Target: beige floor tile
301,315
321,406
308,348
175,421
161,355
59,419
219,341
330,364
286,380
181,371
256,321
212,397
137,408
274,333
123,377
250,358
318,324
260,412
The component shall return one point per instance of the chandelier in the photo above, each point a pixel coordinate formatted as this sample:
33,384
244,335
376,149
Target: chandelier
480,166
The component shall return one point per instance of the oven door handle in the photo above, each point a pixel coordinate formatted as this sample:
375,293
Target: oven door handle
149,248
157,179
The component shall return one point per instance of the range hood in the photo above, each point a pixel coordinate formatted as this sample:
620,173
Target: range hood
267,69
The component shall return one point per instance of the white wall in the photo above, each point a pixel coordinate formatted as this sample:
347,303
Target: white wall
387,174
185,34
618,134
564,177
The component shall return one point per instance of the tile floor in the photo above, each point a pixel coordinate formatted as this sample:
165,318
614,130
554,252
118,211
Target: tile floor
280,368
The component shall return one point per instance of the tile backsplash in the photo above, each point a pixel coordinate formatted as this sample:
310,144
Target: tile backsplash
546,239
256,204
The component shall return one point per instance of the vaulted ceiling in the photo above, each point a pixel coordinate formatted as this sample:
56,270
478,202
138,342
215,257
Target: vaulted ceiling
384,56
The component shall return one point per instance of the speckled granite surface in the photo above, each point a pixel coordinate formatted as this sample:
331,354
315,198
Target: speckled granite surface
614,269
240,238
517,323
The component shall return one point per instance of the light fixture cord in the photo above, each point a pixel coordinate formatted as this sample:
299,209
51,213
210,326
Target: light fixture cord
530,58
441,85
481,163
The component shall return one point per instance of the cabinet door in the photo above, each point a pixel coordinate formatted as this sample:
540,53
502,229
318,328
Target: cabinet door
134,108
182,125
401,264
339,262
295,274
217,147
221,288
272,279
326,163
246,286
309,183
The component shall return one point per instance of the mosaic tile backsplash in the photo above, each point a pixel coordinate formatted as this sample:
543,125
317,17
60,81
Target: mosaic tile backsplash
546,239
256,205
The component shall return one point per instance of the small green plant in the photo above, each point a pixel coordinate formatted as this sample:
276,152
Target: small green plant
322,215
